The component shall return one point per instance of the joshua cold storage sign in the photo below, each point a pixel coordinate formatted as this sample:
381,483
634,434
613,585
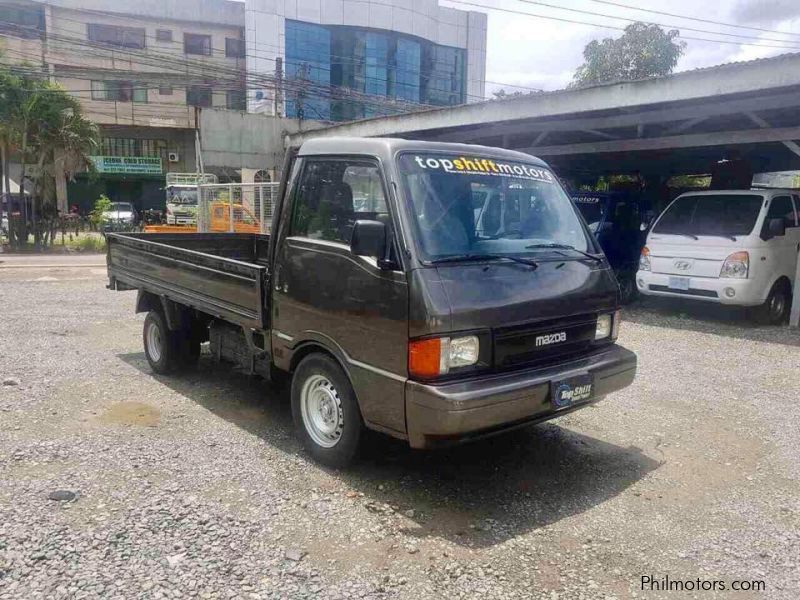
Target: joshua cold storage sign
129,165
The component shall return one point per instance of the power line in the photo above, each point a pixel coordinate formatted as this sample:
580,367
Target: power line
607,16
212,49
688,18
602,26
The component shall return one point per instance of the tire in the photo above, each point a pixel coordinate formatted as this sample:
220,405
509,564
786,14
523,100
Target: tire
775,309
160,346
325,411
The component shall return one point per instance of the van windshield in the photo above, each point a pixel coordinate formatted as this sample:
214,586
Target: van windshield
712,214
468,205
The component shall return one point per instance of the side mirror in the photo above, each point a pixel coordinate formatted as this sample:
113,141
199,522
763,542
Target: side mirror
776,228
369,239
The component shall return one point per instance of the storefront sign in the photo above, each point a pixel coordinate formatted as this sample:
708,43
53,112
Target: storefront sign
129,165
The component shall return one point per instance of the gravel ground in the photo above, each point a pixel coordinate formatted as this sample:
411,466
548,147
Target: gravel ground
115,483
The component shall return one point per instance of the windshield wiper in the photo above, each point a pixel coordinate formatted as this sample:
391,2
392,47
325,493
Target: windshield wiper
722,235
479,257
565,247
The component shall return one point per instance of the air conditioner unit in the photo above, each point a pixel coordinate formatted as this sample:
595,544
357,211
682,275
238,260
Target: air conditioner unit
174,157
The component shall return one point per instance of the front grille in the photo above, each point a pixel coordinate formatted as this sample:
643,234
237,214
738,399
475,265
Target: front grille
541,342
689,292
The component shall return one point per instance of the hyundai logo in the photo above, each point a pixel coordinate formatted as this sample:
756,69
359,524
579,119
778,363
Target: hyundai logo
683,265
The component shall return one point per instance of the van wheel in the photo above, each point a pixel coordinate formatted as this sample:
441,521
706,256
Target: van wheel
775,309
325,411
160,347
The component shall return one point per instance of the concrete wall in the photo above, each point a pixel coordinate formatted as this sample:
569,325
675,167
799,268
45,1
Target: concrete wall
244,141
74,65
265,26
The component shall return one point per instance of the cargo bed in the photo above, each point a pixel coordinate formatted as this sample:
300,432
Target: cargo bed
221,274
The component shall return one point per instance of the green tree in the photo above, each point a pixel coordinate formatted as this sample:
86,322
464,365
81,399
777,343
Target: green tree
502,94
101,206
642,51
44,124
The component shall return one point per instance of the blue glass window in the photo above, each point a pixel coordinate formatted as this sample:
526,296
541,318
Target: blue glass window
407,71
324,62
308,70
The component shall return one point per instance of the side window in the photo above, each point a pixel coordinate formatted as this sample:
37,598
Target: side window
781,208
365,181
332,195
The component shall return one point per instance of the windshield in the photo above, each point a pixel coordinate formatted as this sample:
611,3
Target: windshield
121,207
182,195
717,214
593,209
469,205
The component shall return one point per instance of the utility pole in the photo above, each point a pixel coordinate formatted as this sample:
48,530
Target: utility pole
302,78
278,86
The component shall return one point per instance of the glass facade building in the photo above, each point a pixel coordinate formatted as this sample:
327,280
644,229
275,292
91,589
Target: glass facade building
341,73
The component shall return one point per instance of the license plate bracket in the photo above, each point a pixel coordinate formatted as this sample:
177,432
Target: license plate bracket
571,391
679,283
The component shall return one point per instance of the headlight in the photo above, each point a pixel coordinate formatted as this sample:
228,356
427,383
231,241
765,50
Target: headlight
436,356
644,259
736,266
604,325
607,327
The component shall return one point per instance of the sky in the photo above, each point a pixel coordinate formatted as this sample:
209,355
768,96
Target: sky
543,53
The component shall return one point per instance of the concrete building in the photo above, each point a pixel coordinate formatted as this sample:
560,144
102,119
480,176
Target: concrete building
339,60
140,69
144,71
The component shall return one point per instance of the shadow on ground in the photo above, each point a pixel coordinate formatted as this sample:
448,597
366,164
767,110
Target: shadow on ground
475,495
706,317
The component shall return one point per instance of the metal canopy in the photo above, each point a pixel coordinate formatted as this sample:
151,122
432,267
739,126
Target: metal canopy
676,124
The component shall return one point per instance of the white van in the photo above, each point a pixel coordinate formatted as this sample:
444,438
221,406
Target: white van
731,247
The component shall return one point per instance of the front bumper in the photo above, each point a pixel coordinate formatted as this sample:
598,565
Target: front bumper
746,292
450,412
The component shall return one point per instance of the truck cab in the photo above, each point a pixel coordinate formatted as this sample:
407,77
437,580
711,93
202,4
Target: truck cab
181,196
389,301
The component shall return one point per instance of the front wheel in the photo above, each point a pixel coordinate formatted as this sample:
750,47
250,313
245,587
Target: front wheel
325,411
775,309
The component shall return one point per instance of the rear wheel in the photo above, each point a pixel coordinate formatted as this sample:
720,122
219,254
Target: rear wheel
325,411
160,346
775,309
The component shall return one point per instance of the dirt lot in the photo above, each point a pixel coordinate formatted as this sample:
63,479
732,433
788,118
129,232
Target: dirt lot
193,486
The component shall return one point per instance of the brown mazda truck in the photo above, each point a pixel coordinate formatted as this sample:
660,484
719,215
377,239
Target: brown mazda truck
433,292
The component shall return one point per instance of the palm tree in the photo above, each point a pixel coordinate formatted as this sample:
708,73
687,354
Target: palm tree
53,133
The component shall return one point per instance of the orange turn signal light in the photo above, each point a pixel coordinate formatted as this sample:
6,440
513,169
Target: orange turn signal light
424,357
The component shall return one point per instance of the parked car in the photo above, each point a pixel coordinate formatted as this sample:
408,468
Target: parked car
619,222
734,247
121,216
404,318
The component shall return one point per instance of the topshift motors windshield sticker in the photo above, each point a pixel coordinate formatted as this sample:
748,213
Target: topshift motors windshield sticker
484,166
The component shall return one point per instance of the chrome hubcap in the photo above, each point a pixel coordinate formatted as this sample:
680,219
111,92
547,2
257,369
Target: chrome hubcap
321,409
154,342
